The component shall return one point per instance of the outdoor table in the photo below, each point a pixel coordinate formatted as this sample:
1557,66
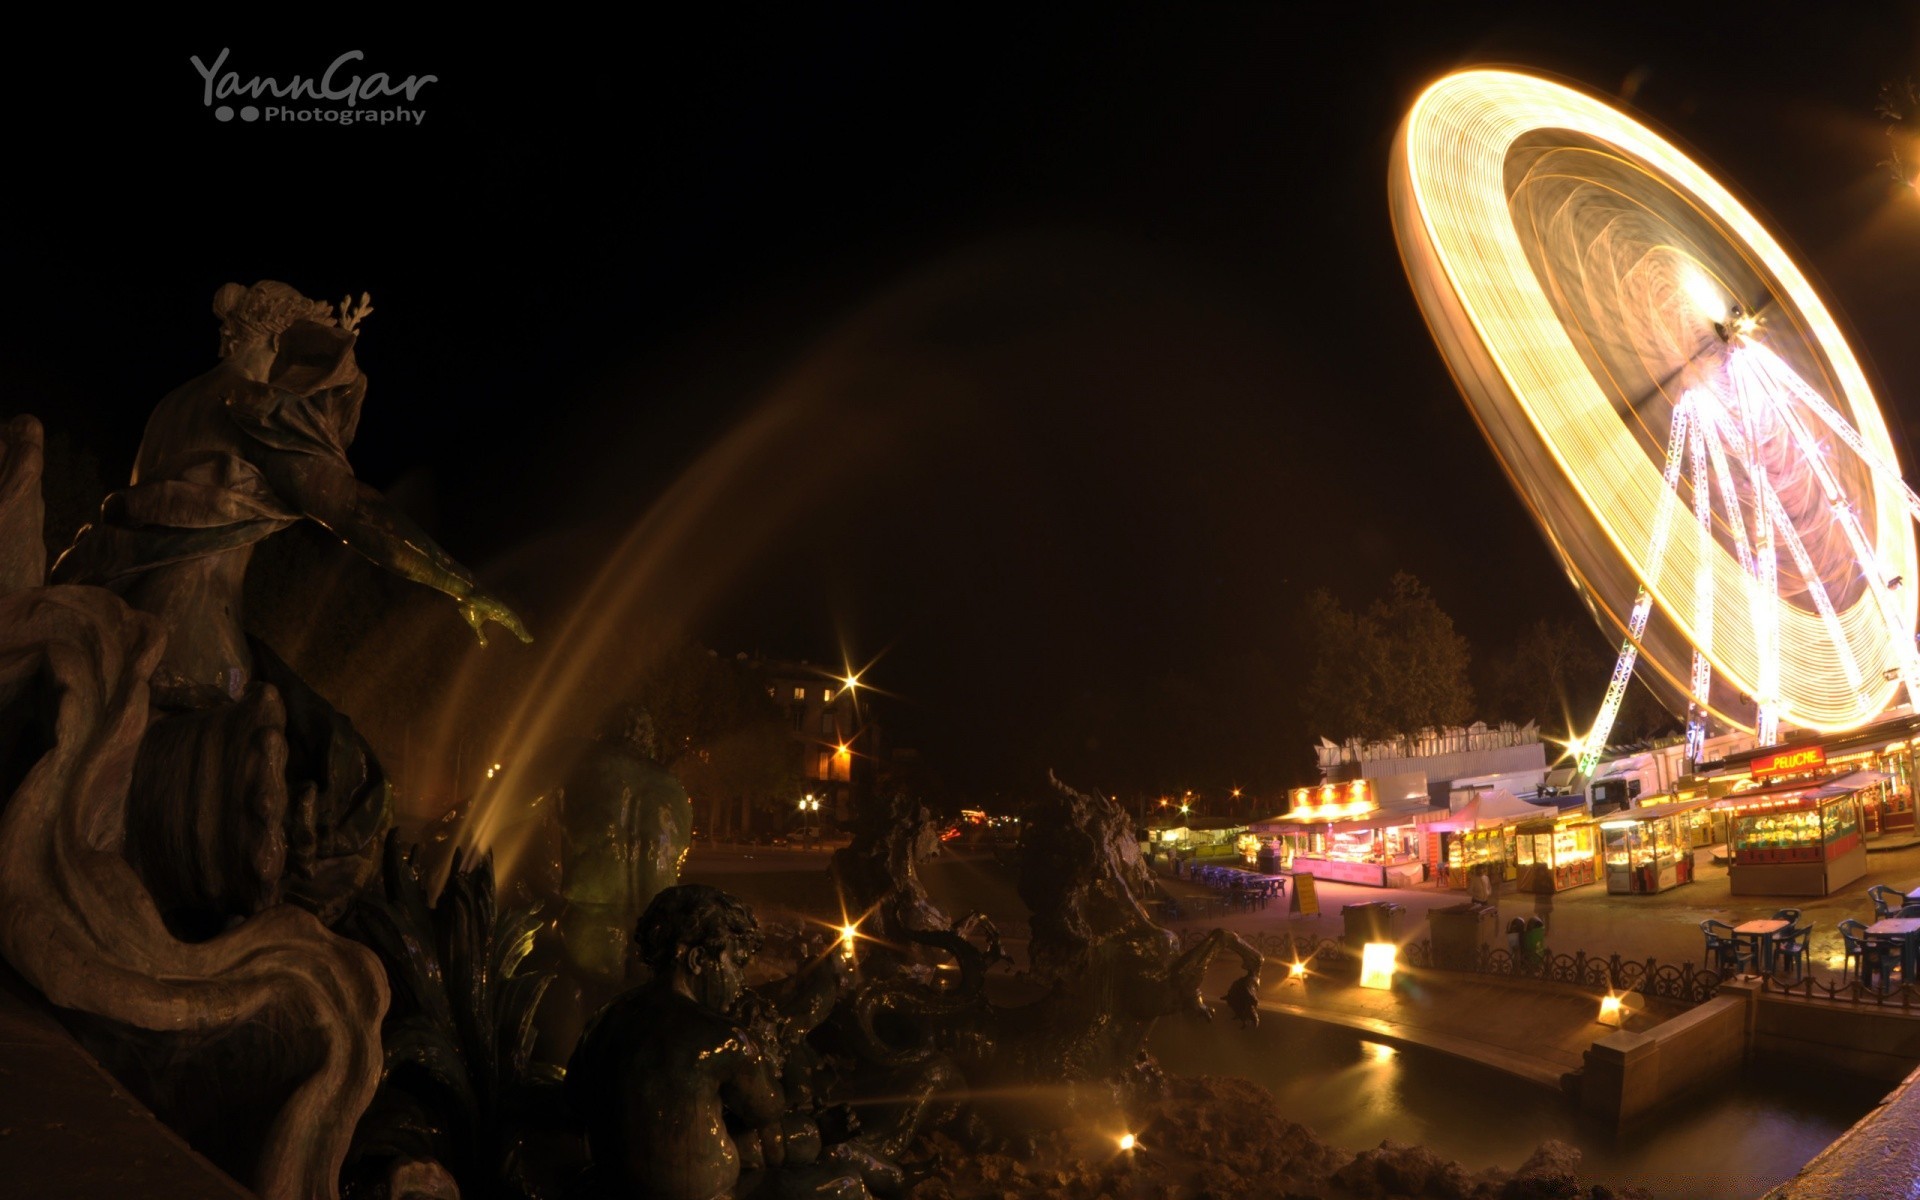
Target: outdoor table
1904,929
1761,935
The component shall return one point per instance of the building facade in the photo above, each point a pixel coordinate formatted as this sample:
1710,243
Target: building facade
834,740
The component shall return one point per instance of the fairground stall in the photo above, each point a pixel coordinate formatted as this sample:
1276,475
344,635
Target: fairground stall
1477,835
1552,854
1344,833
1798,841
1885,750
1646,850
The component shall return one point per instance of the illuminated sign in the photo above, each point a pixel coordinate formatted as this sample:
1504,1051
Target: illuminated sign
1332,801
1788,762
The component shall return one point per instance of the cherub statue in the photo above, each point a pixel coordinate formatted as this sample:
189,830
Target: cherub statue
679,1093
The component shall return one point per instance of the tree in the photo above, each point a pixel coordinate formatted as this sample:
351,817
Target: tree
1391,671
1556,673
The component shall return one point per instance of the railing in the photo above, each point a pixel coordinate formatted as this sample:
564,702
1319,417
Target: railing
1905,996
1684,984
1428,743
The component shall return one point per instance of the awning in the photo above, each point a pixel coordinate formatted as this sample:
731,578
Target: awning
1488,809
1815,789
1652,812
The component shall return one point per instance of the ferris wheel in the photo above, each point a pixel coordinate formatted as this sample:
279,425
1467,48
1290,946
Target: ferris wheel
1672,400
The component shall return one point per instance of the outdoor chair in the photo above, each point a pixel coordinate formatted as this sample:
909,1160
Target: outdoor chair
1911,910
1790,953
1886,900
1867,957
1790,915
1726,953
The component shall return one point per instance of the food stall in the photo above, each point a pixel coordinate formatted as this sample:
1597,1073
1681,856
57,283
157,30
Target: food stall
1804,842
1878,760
1341,832
1646,850
1552,854
1465,849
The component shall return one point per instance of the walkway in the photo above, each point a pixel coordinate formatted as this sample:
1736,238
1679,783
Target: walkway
1536,1032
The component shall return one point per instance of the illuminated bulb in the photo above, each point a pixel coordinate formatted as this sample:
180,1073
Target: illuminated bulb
1126,1142
1376,965
847,934
1297,971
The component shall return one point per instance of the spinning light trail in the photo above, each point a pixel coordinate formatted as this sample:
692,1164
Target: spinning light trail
1635,345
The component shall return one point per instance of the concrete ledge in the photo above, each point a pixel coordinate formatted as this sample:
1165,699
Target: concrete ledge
1631,1074
1521,1066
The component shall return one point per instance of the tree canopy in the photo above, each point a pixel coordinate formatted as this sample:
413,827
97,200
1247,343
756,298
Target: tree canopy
1390,670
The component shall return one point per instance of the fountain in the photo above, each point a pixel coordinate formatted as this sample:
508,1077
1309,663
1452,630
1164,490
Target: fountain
199,874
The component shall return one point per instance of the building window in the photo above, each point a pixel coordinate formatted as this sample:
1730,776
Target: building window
826,765
799,693
771,693
827,724
826,695
799,717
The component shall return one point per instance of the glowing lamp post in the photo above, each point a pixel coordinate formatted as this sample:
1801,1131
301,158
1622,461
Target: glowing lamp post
809,814
1377,963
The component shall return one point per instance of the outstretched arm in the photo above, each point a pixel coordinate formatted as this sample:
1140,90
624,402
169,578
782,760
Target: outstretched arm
324,488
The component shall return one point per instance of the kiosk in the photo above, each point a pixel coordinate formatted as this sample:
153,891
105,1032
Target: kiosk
1646,850
1552,854
1797,843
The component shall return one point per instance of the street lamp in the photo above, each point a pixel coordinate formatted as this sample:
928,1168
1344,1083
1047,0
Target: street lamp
809,808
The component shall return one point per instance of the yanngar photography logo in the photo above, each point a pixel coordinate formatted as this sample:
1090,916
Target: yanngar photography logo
341,94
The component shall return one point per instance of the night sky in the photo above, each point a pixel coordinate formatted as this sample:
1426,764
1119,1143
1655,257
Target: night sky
1045,362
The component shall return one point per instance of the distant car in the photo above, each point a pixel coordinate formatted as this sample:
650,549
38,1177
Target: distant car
951,832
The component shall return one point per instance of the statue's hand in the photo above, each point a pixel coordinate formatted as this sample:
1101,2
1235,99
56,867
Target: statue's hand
479,608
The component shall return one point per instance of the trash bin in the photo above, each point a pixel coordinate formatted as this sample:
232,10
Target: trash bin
1267,862
1533,943
1372,921
1459,931
1516,933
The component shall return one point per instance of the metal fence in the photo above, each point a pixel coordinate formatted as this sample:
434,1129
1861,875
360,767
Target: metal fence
1602,974
1856,992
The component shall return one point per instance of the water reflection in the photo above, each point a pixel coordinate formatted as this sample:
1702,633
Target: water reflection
1730,1144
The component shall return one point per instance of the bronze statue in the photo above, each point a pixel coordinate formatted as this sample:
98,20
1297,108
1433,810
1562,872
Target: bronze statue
627,824
678,1094
250,789
238,454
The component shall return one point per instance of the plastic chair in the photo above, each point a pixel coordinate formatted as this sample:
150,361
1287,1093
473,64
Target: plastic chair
1791,951
1725,952
1911,910
1866,956
1790,915
1886,900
